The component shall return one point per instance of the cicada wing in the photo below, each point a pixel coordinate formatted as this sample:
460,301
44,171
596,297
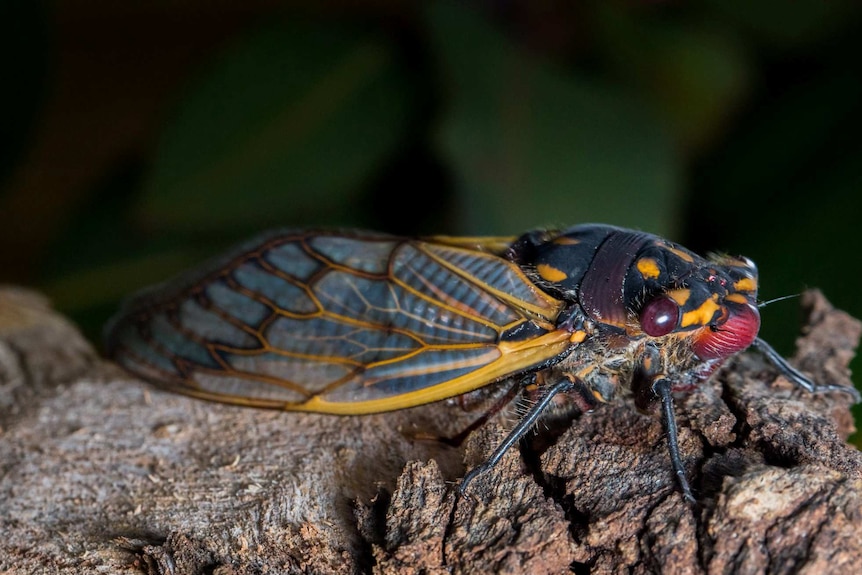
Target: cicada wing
496,245
341,322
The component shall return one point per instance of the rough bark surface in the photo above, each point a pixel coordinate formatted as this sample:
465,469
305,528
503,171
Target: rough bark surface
100,473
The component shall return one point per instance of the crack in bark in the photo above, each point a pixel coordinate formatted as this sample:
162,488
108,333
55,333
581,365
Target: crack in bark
554,488
370,529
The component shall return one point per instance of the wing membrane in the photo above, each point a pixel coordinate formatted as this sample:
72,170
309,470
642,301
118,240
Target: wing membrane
342,322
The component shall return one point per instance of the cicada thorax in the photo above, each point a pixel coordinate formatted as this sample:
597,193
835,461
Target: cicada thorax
650,308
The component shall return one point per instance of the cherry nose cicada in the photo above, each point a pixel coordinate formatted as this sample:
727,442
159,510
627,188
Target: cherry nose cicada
351,322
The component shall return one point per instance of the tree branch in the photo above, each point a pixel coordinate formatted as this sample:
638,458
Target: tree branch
103,472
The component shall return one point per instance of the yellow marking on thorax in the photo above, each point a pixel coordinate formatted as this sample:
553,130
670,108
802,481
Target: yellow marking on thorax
648,268
582,374
578,336
647,363
684,256
550,273
566,241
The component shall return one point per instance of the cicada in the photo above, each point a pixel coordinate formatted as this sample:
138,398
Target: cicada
352,322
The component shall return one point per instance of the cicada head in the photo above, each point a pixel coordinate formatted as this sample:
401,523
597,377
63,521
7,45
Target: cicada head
697,320
658,308
713,306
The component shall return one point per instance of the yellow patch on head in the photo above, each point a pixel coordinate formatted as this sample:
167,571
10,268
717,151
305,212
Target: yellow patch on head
578,336
736,298
745,284
703,314
550,273
648,268
680,296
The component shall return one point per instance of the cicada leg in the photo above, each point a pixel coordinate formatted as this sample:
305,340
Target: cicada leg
796,376
524,425
457,439
663,388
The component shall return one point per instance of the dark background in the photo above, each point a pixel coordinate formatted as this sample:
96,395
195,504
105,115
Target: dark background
138,137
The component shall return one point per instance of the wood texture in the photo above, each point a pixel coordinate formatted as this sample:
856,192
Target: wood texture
102,473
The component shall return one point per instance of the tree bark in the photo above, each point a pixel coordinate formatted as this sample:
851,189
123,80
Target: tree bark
102,473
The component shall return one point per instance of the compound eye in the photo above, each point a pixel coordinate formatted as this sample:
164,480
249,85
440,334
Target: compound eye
660,316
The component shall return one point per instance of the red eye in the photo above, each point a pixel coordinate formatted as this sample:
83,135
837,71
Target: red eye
659,317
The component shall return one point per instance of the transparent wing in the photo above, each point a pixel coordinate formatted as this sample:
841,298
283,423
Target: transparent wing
339,322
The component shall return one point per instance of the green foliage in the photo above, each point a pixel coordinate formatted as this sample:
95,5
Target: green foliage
532,144
283,128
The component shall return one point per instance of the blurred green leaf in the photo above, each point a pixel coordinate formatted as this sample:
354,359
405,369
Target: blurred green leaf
694,75
83,271
787,25
109,283
821,215
285,127
760,186
534,146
